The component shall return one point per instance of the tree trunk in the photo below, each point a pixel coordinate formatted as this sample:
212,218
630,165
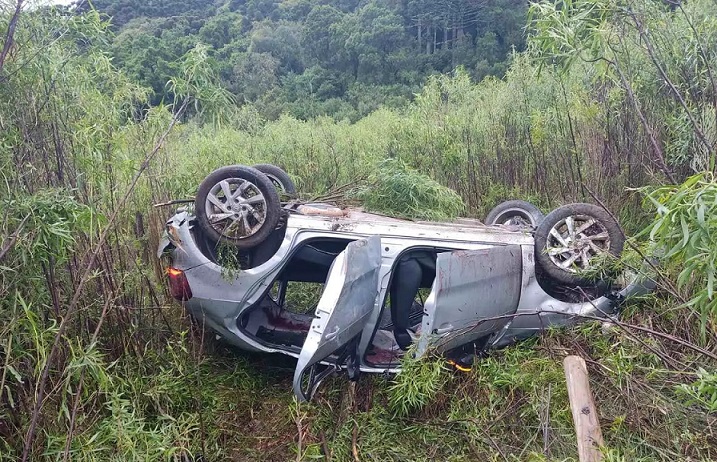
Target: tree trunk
10,35
454,30
418,33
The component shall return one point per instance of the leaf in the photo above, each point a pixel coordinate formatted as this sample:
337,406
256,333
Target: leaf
14,373
701,215
677,248
691,181
684,276
685,232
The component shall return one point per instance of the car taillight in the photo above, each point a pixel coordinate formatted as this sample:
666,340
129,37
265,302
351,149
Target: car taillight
178,284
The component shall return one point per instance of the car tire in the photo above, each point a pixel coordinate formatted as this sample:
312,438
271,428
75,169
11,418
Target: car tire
584,231
520,213
281,180
250,218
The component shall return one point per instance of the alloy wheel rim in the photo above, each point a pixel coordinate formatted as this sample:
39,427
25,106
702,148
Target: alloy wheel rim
575,240
276,182
515,218
236,208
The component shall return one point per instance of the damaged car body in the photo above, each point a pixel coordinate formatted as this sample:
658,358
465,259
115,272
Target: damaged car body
382,286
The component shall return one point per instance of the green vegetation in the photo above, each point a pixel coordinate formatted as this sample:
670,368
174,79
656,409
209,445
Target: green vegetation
98,364
684,227
342,58
401,191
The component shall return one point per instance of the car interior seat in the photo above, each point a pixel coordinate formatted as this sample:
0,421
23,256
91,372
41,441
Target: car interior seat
414,270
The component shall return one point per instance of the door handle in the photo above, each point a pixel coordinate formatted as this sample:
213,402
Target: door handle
332,335
443,330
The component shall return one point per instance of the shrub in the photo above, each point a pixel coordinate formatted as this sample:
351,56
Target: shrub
397,189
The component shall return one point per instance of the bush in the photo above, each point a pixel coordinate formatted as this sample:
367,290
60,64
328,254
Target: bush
684,227
398,190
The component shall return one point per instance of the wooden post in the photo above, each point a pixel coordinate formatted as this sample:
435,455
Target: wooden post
582,405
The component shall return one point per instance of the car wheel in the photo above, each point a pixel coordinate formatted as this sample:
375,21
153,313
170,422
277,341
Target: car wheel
281,180
515,213
570,238
237,205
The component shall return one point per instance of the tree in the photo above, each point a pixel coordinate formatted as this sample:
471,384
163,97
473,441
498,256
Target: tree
282,41
369,36
255,75
147,49
318,36
221,29
377,43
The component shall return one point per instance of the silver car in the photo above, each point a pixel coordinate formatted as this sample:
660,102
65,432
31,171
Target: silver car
382,286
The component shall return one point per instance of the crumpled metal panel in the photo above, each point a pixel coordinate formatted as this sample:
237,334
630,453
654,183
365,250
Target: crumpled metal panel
471,287
345,305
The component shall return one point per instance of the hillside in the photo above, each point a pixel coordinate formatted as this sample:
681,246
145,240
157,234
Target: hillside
343,58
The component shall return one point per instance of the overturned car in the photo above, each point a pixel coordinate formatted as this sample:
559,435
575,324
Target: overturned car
346,290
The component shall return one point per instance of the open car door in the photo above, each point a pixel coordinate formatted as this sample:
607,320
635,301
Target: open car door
473,296
342,312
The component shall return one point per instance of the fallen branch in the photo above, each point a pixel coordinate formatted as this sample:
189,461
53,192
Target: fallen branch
546,424
174,202
666,359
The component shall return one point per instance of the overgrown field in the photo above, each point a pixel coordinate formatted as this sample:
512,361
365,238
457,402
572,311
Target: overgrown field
613,102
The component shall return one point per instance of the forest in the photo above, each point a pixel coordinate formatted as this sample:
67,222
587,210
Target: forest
342,58
110,107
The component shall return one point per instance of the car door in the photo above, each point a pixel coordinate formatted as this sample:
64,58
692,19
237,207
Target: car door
473,295
344,308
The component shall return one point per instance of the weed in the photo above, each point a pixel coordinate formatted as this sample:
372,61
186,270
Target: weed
417,384
702,392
